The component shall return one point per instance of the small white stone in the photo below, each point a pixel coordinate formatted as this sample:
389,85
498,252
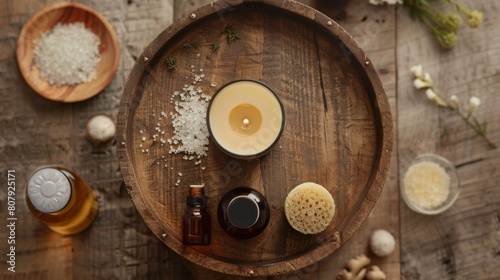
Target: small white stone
382,243
100,129
193,16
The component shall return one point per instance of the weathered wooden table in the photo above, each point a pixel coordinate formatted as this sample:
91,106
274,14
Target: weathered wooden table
462,243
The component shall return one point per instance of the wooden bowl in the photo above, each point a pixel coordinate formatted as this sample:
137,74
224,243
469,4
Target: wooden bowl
338,130
44,20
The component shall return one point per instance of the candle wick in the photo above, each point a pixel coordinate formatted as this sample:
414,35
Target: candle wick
246,122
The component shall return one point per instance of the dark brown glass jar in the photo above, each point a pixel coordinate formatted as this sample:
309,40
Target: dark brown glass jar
197,222
243,212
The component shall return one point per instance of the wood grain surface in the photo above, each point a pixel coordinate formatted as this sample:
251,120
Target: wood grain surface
338,130
461,243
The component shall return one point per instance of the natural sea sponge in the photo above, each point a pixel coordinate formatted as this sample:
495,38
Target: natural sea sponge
309,208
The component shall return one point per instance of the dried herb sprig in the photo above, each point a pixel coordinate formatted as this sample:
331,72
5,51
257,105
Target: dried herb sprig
424,81
230,34
189,45
214,46
171,63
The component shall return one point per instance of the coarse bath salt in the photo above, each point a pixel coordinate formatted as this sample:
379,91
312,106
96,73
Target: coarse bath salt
427,184
67,54
189,122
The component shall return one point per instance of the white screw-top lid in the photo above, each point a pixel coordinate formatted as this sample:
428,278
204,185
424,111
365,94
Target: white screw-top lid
49,190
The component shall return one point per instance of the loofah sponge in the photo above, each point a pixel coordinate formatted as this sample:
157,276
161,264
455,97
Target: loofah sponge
309,208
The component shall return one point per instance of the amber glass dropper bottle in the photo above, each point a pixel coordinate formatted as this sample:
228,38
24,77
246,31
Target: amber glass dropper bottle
59,198
197,222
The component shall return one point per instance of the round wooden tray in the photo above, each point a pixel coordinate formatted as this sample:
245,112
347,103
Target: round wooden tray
338,130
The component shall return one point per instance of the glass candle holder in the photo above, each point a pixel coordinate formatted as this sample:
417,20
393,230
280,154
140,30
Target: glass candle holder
245,118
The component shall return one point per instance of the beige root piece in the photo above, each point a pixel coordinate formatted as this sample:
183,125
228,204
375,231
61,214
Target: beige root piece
354,268
375,273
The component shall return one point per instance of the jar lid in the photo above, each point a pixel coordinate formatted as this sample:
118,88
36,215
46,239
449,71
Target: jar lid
243,212
49,190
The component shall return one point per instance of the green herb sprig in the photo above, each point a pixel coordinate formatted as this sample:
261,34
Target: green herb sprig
229,32
171,63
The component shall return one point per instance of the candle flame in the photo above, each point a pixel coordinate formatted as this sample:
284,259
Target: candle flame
246,122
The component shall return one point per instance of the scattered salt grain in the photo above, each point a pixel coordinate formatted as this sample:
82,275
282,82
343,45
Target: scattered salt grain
189,122
67,54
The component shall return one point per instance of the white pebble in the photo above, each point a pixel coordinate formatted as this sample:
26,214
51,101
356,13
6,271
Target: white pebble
100,129
382,243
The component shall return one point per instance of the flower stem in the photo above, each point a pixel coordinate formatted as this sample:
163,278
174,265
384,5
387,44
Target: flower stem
461,8
479,131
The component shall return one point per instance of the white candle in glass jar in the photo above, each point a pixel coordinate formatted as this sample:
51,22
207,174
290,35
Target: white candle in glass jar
245,118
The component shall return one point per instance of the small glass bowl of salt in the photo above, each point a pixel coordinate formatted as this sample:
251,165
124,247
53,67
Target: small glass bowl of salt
430,184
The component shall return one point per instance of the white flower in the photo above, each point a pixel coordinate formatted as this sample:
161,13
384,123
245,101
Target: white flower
376,2
427,78
434,97
419,84
430,94
417,71
474,102
454,100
